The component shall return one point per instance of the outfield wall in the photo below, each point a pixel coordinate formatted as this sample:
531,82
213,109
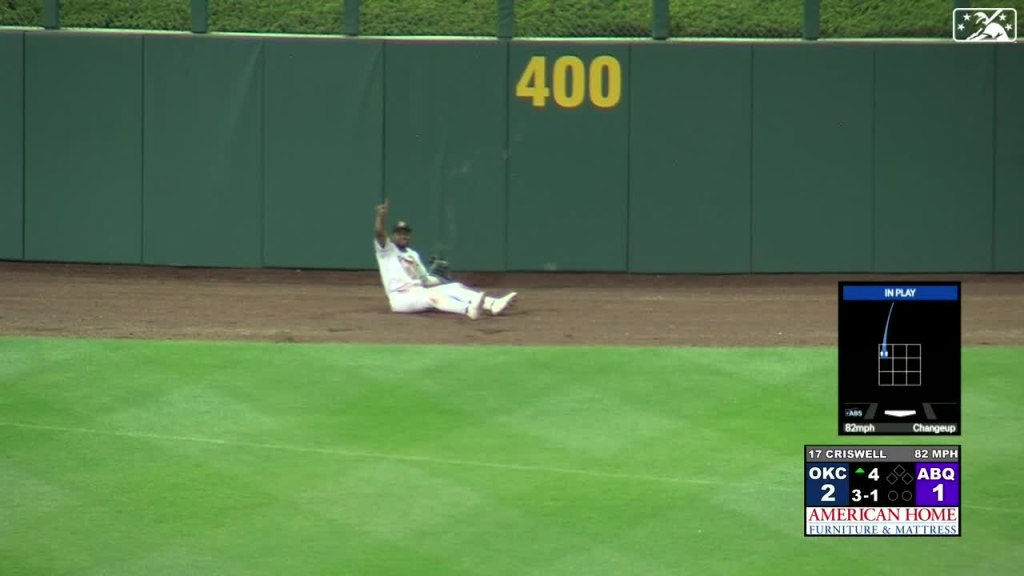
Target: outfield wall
716,157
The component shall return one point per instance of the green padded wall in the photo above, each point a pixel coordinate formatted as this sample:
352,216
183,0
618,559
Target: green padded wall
812,158
445,133
568,166
323,116
12,153
1009,185
83,136
714,157
689,206
203,151
933,158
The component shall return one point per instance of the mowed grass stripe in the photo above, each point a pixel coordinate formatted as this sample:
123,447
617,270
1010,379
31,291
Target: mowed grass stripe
765,484
356,454
266,459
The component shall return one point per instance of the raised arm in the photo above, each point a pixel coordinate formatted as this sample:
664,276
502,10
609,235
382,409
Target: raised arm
380,224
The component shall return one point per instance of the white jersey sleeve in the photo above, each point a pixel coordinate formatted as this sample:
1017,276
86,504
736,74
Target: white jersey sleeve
399,269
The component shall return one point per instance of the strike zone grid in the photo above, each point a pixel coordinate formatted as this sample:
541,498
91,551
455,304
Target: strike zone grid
899,364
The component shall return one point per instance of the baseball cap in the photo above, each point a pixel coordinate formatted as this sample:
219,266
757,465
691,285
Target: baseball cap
402,225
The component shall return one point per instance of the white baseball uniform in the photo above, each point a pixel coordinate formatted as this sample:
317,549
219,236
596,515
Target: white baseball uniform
410,288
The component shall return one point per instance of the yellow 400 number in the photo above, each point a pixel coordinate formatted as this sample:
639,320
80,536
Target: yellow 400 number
570,82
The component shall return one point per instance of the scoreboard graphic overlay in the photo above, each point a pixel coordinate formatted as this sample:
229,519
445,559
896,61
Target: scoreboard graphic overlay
899,358
889,491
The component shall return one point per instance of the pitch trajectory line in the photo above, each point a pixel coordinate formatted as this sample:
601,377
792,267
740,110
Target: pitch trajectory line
885,336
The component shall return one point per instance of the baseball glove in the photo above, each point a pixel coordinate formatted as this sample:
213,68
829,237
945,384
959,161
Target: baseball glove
440,269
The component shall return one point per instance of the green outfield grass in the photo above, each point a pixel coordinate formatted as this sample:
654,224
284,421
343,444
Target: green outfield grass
126,457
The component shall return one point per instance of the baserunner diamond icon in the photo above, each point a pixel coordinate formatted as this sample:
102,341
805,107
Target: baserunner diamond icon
985,25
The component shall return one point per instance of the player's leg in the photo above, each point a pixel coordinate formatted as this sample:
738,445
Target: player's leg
457,299
493,305
411,301
498,305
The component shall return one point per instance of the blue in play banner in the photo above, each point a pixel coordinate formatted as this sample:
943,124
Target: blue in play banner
901,292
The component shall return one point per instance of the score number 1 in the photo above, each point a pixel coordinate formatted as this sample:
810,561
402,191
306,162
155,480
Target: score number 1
533,85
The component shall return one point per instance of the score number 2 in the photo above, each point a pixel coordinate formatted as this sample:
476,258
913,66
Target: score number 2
829,491
570,94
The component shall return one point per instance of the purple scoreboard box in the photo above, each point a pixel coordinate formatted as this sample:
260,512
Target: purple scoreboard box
891,491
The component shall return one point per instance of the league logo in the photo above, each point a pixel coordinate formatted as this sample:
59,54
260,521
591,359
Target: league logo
985,25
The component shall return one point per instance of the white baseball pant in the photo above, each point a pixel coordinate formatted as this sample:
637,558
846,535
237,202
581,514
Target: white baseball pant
454,298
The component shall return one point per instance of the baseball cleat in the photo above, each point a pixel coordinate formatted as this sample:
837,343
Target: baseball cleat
501,304
474,307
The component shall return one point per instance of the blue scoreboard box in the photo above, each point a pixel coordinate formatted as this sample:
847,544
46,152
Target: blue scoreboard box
882,491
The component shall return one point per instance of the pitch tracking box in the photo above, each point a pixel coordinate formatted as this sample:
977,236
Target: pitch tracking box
890,491
899,358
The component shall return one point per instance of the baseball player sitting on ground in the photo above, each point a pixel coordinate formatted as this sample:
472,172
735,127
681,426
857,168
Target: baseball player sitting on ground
410,288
